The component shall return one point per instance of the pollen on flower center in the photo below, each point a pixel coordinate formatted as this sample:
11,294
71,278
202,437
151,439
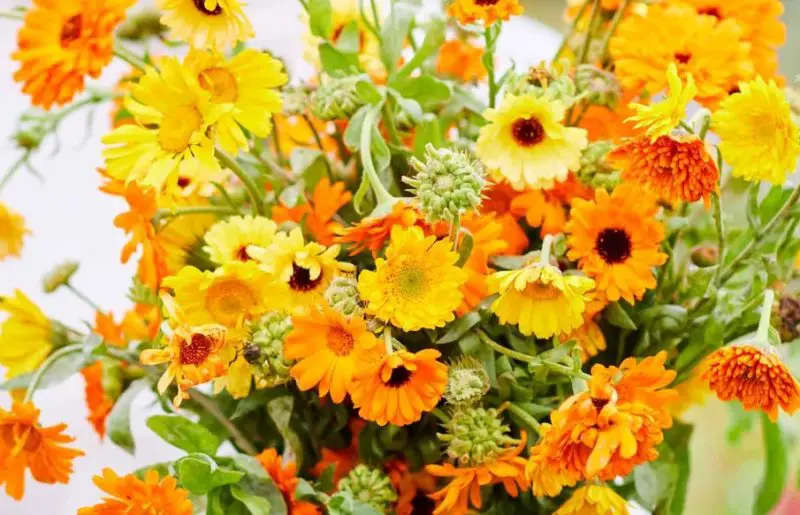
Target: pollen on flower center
539,291
400,376
12,433
613,245
197,350
340,341
71,30
411,282
220,83
711,10
301,279
527,132
683,57
229,299
201,6
177,128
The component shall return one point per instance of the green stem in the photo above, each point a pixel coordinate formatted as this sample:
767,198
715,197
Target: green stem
717,201
762,334
563,369
83,297
487,36
162,214
378,188
14,168
211,407
685,126
388,119
593,22
37,377
504,350
612,29
572,29
318,140
129,57
441,415
455,229
547,244
248,182
525,417
276,140
12,15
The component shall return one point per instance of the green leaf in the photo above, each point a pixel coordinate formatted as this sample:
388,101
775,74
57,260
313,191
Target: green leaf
465,250
409,105
429,131
343,504
320,16
775,467
257,490
221,502
308,164
280,410
292,195
368,92
352,135
425,89
349,39
393,33
616,315
460,327
654,482
334,60
434,38
58,372
200,474
678,438
119,420
184,434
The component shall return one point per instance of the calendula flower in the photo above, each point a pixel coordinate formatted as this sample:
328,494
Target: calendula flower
590,338
411,487
499,200
249,81
27,336
214,24
330,348
25,444
285,478
674,168
461,60
615,239
527,143
486,11
317,215
12,232
400,388
548,209
97,400
417,285
758,136
228,239
594,500
61,43
171,136
488,240
371,233
129,494
646,43
660,118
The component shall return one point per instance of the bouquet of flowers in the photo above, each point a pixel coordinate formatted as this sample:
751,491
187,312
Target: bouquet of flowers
424,280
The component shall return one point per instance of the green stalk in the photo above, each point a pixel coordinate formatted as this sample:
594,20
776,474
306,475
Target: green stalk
162,214
612,29
762,334
236,435
318,140
129,57
381,194
717,201
525,417
248,182
572,30
83,297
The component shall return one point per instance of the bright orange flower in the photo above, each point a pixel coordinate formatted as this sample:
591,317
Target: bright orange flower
371,233
129,495
589,336
295,132
499,198
461,60
139,323
97,401
317,214
61,42
343,460
489,12
755,376
603,123
105,326
25,444
548,209
285,478
411,487
488,240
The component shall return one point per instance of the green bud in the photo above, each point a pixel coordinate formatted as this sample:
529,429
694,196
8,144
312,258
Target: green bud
30,139
600,86
342,295
595,171
295,100
370,486
467,382
541,80
264,350
142,26
337,98
475,436
59,276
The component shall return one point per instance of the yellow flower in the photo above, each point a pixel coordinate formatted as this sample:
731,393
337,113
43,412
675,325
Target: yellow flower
214,24
226,296
227,240
248,81
417,286
758,137
539,298
26,336
594,500
527,142
170,139
659,119
12,232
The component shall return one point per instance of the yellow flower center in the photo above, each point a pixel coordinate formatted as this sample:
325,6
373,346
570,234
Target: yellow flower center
203,7
229,299
20,437
71,30
197,350
527,132
540,291
221,84
340,341
411,282
177,129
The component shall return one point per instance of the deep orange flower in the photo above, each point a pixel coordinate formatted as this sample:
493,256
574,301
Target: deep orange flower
343,460
589,337
25,444
295,132
139,323
499,198
755,376
128,495
285,478
461,60
465,487
317,214
98,402
411,487
603,123
63,41
489,12
371,233
488,240
674,168
548,209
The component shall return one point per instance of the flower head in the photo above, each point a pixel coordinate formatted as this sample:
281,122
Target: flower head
467,382
337,98
342,295
475,436
227,240
461,60
417,285
129,494
371,233
98,377
486,11
526,141
411,488
285,478
264,350
548,209
317,215
370,486
27,336
659,119
590,338
215,24
594,500
12,232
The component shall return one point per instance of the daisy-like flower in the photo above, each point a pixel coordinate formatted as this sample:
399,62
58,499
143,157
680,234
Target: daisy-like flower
12,232
674,168
27,336
330,349
548,209
417,285
371,233
646,43
214,24
97,400
758,136
170,139
25,444
660,118
129,494
400,388
60,43
461,60
527,143
594,500
228,239
317,215
615,239
249,81
486,11
285,478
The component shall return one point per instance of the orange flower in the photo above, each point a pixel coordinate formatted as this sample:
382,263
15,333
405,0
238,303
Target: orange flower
488,241
371,233
547,209
97,401
603,123
25,444
589,336
318,213
499,199
755,376
285,478
461,60
674,168
489,12
465,488
130,495
411,488
295,132
139,323
343,460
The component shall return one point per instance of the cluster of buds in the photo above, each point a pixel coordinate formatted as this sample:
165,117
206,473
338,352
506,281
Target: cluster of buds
595,171
337,98
543,80
600,87
295,100
264,350
476,435
370,486
467,382
342,296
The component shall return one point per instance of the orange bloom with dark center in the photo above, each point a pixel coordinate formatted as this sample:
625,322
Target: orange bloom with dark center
317,214
61,42
285,478
412,488
674,168
371,233
461,60
25,444
130,495
487,11
548,209
755,376
98,402
465,487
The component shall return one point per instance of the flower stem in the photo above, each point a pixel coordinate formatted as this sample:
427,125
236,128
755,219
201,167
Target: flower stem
525,417
762,334
387,340
381,195
572,29
505,350
248,182
547,244
83,297
717,201
238,437
441,415
129,57
318,140
388,119
593,23
490,45
12,15
161,214
613,29
57,355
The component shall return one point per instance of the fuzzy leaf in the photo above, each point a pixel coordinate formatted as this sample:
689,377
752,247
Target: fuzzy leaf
184,434
320,15
119,420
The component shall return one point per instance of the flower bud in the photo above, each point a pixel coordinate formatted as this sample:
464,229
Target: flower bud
142,26
264,350
475,436
787,314
370,486
467,382
30,139
59,276
342,295
600,86
595,171
295,100
705,256
337,98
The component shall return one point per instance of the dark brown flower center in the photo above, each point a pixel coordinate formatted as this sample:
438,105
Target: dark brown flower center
184,182
301,279
252,353
683,57
711,10
421,504
196,351
201,6
527,132
71,30
242,254
400,376
486,3
613,245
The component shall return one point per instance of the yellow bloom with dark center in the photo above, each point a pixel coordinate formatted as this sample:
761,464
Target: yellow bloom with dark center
228,239
12,232
213,24
594,500
248,81
26,336
660,118
417,285
540,299
527,142
758,137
